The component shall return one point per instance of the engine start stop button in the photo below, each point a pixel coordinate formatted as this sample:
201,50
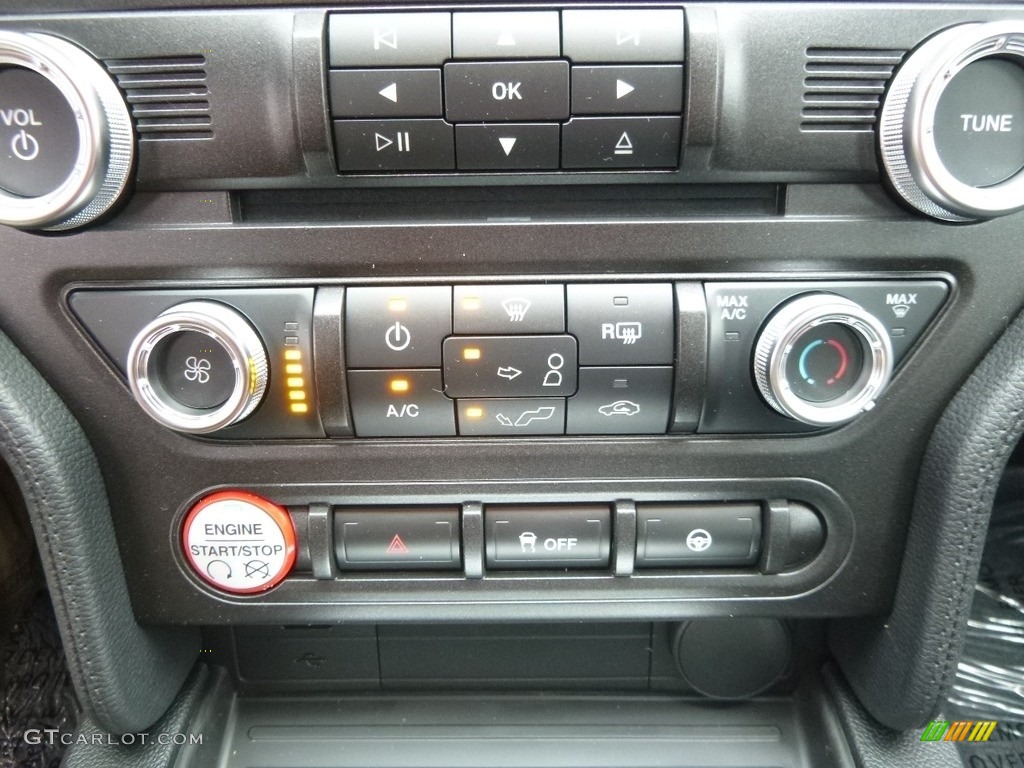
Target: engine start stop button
239,542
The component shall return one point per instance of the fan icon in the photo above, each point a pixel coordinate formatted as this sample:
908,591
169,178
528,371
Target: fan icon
197,369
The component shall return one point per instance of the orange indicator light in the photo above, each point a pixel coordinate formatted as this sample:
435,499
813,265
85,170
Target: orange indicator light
297,395
293,368
292,354
471,353
399,385
296,382
474,412
299,408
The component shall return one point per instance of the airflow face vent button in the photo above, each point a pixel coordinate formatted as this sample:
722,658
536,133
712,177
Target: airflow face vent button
168,97
843,87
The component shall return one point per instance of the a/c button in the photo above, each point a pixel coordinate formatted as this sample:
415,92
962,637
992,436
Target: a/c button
400,403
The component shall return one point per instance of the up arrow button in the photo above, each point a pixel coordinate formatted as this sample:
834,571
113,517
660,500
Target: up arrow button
506,35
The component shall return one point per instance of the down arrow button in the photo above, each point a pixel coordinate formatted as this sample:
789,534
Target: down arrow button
509,146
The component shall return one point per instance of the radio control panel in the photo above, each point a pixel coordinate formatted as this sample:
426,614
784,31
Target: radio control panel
705,102
510,360
507,90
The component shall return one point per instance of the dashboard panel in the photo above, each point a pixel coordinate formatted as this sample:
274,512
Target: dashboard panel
511,312
346,291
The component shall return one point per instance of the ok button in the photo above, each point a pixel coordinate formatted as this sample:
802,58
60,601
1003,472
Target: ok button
503,90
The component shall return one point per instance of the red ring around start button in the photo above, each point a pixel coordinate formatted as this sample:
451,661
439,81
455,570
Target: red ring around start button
239,542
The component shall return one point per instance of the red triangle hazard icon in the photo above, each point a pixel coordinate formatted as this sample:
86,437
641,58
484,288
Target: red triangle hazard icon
397,546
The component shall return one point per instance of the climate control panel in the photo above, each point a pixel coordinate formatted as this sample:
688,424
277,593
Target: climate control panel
541,358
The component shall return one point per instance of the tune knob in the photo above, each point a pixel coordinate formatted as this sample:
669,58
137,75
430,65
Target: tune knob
66,139
822,359
198,367
951,132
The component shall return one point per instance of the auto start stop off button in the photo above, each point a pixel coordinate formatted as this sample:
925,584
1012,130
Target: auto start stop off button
239,542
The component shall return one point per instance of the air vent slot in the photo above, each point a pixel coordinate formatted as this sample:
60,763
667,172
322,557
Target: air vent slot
168,97
843,87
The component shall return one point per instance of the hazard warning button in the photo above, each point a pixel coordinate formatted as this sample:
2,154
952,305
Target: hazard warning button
425,538
239,542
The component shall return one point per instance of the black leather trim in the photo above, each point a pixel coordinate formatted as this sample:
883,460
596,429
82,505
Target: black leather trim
902,665
158,747
875,746
125,675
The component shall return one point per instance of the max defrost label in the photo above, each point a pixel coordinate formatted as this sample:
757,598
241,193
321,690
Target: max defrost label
239,542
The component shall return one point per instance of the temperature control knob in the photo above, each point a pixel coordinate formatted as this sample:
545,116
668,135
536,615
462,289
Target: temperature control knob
198,367
67,144
951,131
822,359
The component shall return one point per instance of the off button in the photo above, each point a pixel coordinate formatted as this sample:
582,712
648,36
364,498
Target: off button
399,327
38,134
239,542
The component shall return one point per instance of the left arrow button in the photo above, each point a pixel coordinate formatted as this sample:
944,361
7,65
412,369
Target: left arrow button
385,93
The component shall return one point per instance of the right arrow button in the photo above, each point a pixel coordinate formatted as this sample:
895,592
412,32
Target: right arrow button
627,90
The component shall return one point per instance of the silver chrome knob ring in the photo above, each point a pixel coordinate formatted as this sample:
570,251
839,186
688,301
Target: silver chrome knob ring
906,130
798,317
106,137
225,327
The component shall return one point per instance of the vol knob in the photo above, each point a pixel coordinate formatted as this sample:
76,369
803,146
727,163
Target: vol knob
67,145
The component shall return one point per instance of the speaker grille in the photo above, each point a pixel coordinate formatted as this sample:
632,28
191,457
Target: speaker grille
843,87
168,97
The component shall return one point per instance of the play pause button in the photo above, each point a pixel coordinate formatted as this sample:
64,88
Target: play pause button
507,146
394,145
